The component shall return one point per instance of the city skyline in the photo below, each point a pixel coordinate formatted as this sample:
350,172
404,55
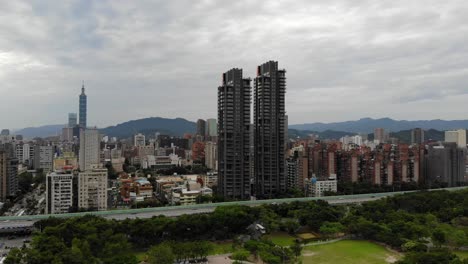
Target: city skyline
345,60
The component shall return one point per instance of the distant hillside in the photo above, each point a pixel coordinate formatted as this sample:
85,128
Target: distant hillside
42,131
149,126
329,134
367,125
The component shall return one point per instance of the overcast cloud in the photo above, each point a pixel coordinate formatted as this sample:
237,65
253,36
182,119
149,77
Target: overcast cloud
344,59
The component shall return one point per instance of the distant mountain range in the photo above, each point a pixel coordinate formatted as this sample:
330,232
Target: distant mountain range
179,126
367,125
42,131
149,126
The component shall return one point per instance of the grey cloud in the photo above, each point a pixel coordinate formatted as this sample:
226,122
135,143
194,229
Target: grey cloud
344,59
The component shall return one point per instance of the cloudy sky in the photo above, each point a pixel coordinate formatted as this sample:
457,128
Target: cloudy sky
344,59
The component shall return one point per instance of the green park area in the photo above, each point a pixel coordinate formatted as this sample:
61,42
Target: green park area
462,254
348,251
281,239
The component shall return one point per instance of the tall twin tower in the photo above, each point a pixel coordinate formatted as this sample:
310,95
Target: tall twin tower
236,178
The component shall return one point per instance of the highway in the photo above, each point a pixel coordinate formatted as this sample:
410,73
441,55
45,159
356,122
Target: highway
26,221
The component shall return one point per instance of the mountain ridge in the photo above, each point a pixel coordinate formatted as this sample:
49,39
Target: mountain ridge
367,125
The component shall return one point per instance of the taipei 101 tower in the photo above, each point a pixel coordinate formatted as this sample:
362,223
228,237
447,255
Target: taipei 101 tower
83,108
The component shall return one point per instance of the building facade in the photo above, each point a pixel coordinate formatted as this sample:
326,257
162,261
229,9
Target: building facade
90,146
59,193
139,140
83,108
211,155
44,158
201,128
446,164
72,119
417,136
233,135
92,189
211,127
8,172
269,122
456,136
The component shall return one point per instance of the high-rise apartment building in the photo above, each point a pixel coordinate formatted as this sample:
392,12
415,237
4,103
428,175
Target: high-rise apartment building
446,164
59,193
8,172
44,158
211,127
201,127
92,189
456,136
380,136
417,136
139,140
211,155
83,108
72,120
25,154
90,149
233,135
269,121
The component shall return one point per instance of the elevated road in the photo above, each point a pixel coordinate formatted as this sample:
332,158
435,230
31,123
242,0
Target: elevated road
27,221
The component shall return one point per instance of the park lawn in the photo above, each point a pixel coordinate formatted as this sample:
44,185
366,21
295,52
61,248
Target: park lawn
281,239
348,251
462,254
221,248
140,255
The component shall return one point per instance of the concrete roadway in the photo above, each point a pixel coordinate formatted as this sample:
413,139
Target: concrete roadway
169,213
173,211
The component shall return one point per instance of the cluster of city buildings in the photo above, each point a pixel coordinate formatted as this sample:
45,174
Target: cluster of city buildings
313,164
246,159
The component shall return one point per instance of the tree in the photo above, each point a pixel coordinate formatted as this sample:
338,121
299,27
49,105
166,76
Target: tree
331,228
161,254
15,256
291,226
240,255
438,236
25,180
297,248
40,177
111,173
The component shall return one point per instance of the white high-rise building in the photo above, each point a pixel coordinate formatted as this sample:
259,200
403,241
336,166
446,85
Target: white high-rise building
456,136
211,155
44,158
90,146
140,140
25,153
59,193
211,127
92,189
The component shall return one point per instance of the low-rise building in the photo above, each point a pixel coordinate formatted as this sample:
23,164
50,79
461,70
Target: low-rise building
67,161
317,188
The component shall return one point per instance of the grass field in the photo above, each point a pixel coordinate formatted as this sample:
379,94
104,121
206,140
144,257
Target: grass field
350,252
462,254
221,248
141,256
281,238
